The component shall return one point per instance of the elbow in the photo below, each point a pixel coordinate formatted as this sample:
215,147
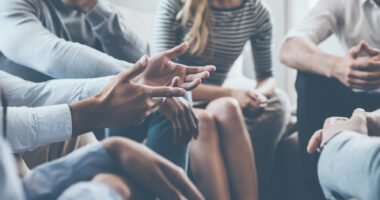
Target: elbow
285,54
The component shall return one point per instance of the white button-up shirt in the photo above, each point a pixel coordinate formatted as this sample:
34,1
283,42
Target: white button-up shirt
33,126
350,20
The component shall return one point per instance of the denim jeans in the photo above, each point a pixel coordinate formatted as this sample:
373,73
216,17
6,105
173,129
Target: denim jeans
158,131
349,167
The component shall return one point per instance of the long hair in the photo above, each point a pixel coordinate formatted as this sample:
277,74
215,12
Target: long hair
198,12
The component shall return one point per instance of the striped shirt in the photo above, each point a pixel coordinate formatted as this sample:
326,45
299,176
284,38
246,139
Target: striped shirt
231,29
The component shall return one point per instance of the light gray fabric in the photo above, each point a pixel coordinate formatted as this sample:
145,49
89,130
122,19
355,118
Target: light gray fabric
60,42
349,167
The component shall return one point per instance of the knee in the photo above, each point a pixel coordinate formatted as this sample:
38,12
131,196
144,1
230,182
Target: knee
224,108
207,126
116,183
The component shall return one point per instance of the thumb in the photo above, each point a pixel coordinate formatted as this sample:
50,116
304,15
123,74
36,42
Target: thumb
359,113
355,51
137,69
178,50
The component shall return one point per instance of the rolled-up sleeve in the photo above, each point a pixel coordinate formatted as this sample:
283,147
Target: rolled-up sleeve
48,181
29,128
323,20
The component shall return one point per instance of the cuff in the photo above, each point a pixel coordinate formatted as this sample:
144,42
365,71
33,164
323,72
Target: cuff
99,13
54,124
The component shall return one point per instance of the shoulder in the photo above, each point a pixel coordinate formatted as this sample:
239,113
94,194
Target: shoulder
172,6
9,6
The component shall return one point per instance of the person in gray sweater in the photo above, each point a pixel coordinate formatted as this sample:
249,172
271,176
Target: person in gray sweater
349,164
41,40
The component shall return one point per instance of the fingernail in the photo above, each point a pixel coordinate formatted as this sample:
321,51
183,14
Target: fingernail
143,60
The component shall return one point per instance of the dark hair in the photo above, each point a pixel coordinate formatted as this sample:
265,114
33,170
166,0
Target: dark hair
4,105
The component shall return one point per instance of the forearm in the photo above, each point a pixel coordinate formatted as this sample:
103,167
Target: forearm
207,92
81,165
30,128
304,55
349,166
64,91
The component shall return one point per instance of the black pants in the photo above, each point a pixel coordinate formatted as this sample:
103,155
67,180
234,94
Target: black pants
319,98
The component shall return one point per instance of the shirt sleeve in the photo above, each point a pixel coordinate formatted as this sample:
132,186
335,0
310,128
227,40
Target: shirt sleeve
48,181
30,128
166,35
118,39
26,42
89,190
321,21
261,42
20,92
346,160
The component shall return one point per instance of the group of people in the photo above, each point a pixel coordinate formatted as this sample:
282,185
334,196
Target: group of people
70,68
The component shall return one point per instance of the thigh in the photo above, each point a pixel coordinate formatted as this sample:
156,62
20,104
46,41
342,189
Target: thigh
137,133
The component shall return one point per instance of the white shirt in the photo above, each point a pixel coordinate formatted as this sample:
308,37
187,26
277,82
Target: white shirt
29,128
350,20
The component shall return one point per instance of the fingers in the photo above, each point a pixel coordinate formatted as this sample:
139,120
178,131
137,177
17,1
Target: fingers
364,85
137,69
199,69
314,142
177,51
179,178
365,75
191,85
355,51
175,82
359,113
371,51
201,75
164,91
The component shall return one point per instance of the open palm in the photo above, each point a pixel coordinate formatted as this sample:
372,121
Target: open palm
161,70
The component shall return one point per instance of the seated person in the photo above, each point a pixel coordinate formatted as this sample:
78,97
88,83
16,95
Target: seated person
348,166
329,85
232,123
79,39
129,106
116,168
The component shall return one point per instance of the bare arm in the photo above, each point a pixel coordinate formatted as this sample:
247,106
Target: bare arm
304,55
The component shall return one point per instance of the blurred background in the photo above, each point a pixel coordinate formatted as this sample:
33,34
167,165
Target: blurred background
285,13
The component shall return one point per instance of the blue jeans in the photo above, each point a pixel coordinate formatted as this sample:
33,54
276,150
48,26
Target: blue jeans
158,131
349,167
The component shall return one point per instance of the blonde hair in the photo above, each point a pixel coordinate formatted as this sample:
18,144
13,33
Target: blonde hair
198,12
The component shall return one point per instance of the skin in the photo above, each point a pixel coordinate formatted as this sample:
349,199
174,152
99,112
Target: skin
129,98
353,71
147,171
222,159
360,122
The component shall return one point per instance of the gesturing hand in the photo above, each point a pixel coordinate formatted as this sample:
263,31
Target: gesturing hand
334,125
161,70
82,5
250,101
150,170
359,72
182,117
120,103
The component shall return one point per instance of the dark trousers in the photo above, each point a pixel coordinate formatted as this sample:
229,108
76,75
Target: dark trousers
319,98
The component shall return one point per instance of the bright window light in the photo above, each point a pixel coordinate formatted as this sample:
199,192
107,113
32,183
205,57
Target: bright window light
312,3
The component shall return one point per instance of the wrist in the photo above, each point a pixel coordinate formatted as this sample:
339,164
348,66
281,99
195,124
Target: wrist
85,116
335,64
87,5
